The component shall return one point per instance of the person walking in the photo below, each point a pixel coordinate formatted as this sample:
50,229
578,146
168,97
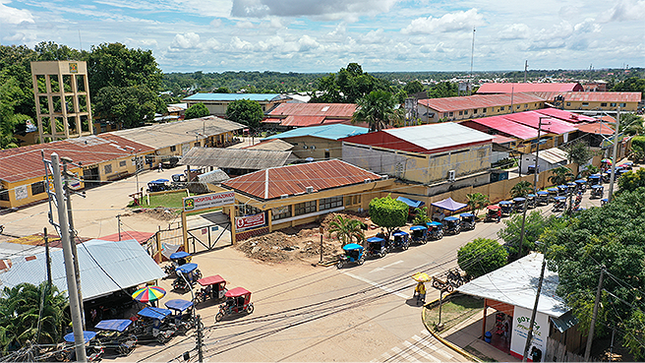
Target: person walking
420,292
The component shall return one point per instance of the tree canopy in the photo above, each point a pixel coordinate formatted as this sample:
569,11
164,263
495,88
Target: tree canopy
534,227
195,111
246,112
348,85
131,106
388,212
631,84
481,256
377,110
115,65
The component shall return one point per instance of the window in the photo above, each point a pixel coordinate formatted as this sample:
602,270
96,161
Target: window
484,110
247,210
623,104
108,169
357,199
451,113
613,104
585,104
281,212
37,188
304,208
173,148
518,107
526,105
329,203
198,144
4,195
475,111
348,200
122,163
568,103
461,113
502,108
603,104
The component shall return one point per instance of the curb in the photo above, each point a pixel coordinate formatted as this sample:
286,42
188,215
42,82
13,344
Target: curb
442,340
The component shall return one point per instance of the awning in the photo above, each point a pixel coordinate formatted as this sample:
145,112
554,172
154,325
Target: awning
449,204
411,202
564,322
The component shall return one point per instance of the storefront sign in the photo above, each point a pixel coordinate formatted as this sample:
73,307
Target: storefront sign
248,222
208,201
21,192
521,321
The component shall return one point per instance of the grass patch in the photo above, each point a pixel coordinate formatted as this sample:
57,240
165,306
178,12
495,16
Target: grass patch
455,310
172,200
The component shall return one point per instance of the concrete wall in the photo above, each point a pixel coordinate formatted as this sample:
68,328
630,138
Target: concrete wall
320,146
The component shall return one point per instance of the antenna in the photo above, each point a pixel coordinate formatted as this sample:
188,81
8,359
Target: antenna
526,69
472,58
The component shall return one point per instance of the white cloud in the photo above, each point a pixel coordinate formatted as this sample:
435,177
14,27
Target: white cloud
374,37
9,15
515,31
328,9
244,24
307,43
239,44
451,22
216,23
626,10
589,25
185,41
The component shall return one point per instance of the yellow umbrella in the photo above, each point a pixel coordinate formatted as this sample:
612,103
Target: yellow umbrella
421,277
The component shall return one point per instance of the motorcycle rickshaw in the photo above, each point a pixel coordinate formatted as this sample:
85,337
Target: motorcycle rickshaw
604,201
187,272
563,190
597,191
571,187
621,172
553,192
158,185
182,314
353,254
419,234
606,176
628,165
594,179
493,213
559,204
176,259
452,225
400,239
93,348
467,221
213,287
376,247
238,300
117,334
542,198
581,185
530,201
507,207
518,204
435,230
152,322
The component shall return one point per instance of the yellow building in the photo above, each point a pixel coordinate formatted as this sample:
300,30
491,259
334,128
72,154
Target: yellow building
601,101
217,103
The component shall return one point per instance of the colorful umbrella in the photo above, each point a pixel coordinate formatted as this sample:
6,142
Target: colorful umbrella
421,277
606,161
149,293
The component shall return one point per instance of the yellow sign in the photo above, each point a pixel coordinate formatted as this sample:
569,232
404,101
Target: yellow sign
73,68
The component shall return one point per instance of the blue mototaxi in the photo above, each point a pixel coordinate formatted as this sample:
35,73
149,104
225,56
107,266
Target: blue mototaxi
507,207
594,179
597,191
542,198
419,234
188,272
158,185
452,225
530,201
604,201
571,187
559,203
376,247
435,230
94,350
518,204
553,192
581,185
116,334
467,221
153,323
401,239
182,314
563,190
176,259
353,254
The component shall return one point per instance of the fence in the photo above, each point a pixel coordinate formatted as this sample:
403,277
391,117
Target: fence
557,352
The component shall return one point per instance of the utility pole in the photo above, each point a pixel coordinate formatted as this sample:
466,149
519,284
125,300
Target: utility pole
529,336
200,338
472,59
48,260
592,326
526,69
72,289
613,158
118,225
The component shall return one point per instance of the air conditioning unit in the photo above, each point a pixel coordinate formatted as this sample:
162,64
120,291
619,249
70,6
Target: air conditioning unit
451,175
283,196
309,190
313,147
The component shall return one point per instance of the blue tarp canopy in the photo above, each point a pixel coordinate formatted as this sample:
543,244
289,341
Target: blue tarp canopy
418,228
466,215
411,202
180,254
400,233
449,204
352,246
87,336
451,218
187,268
178,304
154,313
542,192
434,223
375,240
113,324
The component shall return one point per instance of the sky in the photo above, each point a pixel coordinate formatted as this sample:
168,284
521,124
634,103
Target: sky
325,35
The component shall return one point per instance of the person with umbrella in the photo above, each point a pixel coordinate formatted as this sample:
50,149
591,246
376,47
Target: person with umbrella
420,289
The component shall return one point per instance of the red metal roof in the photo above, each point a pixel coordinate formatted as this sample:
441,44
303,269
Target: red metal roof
529,87
26,162
302,121
532,119
294,179
597,128
603,96
499,139
332,110
448,104
566,115
141,237
503,126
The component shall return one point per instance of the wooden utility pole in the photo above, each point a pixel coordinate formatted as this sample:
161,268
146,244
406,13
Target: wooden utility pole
592,326
529,336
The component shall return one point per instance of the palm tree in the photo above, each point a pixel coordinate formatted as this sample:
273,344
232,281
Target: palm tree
588,170
477,201
347,229
521,189
561,175
420,216
377,109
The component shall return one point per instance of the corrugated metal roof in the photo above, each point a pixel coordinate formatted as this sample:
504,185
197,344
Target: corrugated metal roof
603,96
26,162
302,121
529,87
554,155
448,104
331,132
174,133
274,144
532,119
234,97
439,136
516,284
597,128
503,125
294,179
332,110
235,158
499,139
141,237
104,266
565,115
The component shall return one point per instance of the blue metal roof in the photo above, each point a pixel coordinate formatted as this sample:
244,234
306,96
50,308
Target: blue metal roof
331,132
87,336
451,218
180,254
187,268
178,304
411,202
375,239
233,97
113,324
352,246
418,228
154,313
105,267
400,233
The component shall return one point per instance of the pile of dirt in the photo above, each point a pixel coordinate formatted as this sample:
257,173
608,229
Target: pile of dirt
160,213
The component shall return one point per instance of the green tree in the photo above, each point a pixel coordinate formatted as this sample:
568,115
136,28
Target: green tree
10,95
631,84
638,147
195,111
579,153
589,169
222,90
420,216
377,110
481,256
477,201
561,175
246,112
534,227
114,65
347,86
522,189
443,89
52,51
631,180
631,124
131,106
388,213
413,87
347,230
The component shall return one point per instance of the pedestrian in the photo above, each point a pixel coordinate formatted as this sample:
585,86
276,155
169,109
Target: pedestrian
160,168
420,292
499,215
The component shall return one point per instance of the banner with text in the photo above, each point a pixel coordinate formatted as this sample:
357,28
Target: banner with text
208,201
248,222
521,320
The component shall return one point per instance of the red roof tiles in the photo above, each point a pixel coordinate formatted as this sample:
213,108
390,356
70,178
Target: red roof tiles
532,119
529,87
448,104
502,125
565,115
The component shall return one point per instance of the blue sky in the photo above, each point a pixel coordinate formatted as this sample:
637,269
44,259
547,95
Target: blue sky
325,35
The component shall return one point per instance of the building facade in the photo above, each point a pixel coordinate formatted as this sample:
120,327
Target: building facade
217,103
